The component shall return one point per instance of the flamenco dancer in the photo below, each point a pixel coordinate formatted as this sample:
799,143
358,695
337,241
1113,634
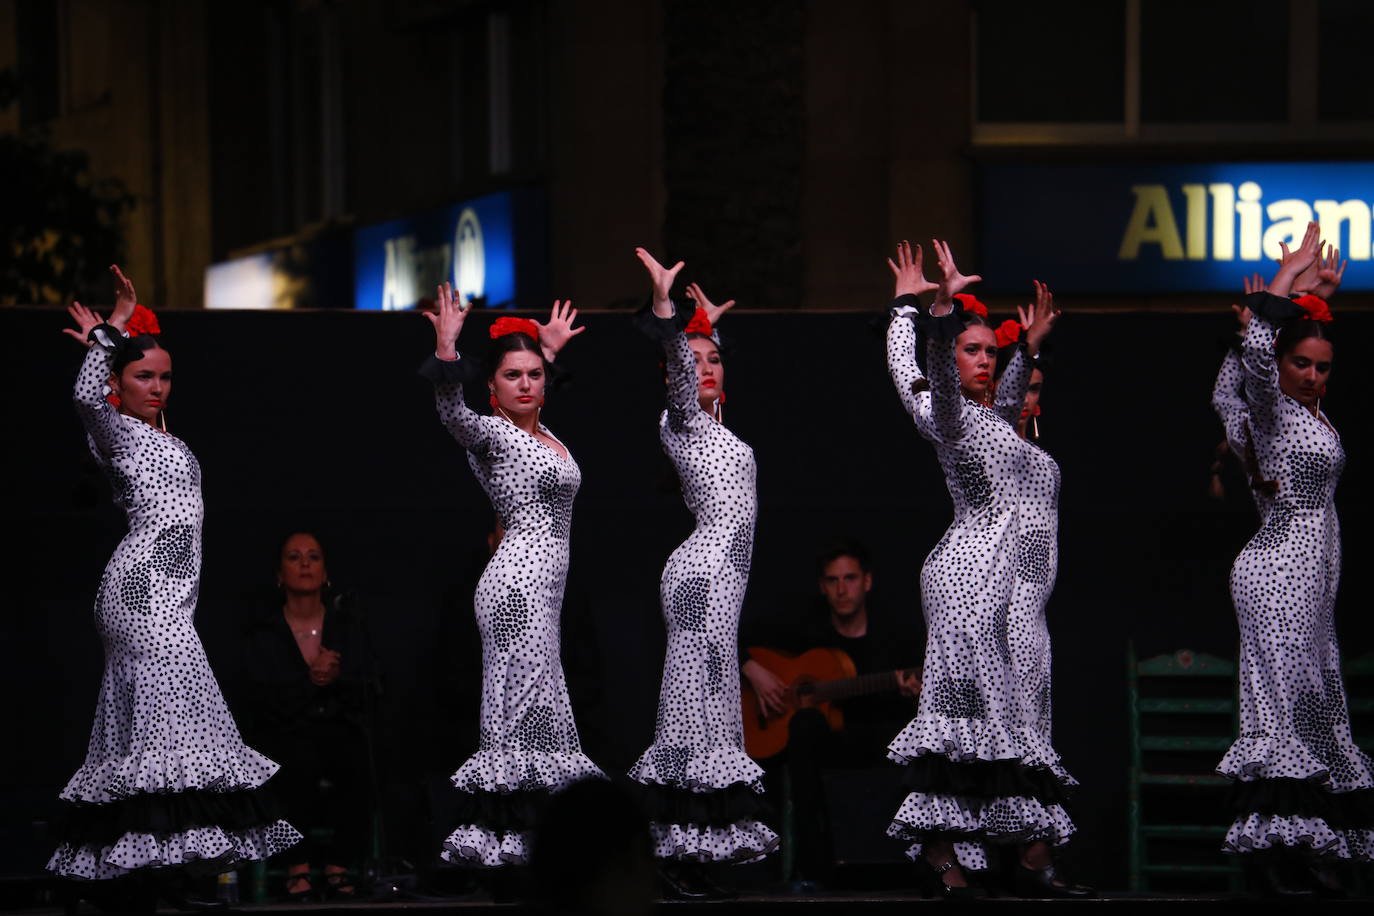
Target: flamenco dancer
167,780
979,764
1303,788
529,746
704,790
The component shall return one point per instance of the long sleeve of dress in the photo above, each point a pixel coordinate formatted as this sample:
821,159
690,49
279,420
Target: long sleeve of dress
1010,399
1261,383
1228,400
683,407
463,423
935,403
680,365
102,422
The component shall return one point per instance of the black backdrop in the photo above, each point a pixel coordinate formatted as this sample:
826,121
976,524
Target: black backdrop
317,420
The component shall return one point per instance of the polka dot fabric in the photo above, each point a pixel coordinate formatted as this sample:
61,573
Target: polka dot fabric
1295,727
699,735
161,725
983,588
528,740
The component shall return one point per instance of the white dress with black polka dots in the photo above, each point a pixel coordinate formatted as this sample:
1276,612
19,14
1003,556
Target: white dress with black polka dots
165,755
699,736
1294,758
986,687
528,741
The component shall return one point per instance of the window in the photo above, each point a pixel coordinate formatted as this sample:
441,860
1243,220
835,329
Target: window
1171,71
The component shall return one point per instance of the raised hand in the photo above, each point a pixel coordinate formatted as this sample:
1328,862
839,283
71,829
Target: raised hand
1329,274
908,276
1243,316
1038,319
951,281
713,311
85,320
1294,262
558,330
125,299
448,321
662,279
1254,284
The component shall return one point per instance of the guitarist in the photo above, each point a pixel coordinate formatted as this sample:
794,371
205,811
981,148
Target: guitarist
845,619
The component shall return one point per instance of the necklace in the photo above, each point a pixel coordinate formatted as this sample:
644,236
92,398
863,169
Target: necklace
305,634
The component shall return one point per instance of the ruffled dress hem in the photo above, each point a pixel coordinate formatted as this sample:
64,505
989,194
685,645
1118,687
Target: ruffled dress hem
156,772
507,770
210,849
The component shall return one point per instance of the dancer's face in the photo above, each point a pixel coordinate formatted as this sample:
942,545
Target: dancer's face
145,385
1033,388
518,383
302,564
1037,382
710,371
1303,370
845,585
975,351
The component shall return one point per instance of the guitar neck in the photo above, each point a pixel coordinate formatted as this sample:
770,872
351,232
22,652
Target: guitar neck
847,687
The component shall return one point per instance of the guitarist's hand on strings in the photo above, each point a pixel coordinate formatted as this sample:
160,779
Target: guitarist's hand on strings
768,687
909,684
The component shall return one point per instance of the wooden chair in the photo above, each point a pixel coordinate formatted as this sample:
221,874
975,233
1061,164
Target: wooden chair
1183,717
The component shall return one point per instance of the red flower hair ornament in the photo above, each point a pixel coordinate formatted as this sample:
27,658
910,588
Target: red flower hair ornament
141,322
508,325
1315,307
1008,333
699,324
971,304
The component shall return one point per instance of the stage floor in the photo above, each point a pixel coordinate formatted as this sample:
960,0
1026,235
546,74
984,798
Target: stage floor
762,904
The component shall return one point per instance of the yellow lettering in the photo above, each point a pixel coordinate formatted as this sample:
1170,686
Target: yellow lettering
1331,214
1223,222
1152,223
1196,233
1289,219
1251,220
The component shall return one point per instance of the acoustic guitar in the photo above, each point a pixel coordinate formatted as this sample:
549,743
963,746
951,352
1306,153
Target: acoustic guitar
814,679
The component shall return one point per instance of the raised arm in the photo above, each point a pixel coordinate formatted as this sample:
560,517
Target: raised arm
941,329
1037,321
1268,310
449,372
1228,392
936,408
107,429
666,322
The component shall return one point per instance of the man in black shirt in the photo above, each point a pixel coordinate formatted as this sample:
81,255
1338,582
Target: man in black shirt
845,621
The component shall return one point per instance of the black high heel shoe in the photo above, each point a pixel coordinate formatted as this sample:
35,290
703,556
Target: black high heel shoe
932,881
1045,882
681,881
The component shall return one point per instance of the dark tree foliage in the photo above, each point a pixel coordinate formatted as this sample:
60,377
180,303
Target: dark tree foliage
61,228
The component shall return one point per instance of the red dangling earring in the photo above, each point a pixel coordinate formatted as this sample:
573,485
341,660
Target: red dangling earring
1322,393
541,402
722,397
492,400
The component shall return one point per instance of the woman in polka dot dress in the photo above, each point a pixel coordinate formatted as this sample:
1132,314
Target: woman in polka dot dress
704,790
167,780
1302,783
528,745
979,762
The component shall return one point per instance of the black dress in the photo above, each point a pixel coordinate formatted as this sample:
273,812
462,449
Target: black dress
317,734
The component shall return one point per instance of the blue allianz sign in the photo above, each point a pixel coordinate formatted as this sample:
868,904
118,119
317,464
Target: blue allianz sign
472,245
1167,227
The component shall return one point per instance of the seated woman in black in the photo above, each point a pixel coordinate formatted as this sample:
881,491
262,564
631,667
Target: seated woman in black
307,676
